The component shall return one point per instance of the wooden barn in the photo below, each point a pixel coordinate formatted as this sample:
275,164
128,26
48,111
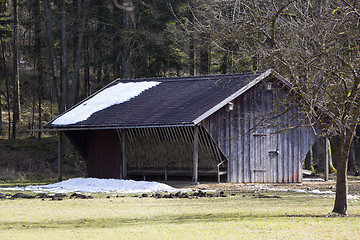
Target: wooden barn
234,127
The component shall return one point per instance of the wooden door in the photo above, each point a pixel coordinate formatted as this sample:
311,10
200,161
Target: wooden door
265,155
260,161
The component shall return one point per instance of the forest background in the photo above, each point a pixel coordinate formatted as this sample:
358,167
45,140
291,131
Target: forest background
55,53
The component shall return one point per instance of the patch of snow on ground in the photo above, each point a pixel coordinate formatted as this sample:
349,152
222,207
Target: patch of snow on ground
313,179
119,93
95,185
316,191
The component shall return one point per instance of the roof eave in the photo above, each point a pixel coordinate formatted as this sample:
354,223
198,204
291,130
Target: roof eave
234,95
66,128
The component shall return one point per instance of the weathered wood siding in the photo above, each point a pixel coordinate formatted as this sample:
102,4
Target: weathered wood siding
261,150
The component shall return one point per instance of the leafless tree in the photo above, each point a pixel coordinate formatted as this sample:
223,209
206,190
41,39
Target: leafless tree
16,74
314,44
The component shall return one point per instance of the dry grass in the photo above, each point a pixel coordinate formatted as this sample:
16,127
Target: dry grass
244,216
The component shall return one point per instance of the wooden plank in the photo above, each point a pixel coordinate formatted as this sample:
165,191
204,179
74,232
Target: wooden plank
265,102
60,155
226,126
236,144
241,157
124,162
120,140
188,135
168,136
286,158
282,148
205,141
251,139
174,134
297,161
156,133
300,144
195,155
276,160
246,139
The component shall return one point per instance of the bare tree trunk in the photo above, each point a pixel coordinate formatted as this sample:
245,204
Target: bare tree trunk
323,154
49,33
63,69
34,89
204,55
16,76
341,202
2,72
98,49
128,18
352,166
1,119
87,68
117,48
343,142
7,86
39,62
309,161
191,42
82,13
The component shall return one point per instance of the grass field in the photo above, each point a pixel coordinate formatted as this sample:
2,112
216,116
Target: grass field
243,216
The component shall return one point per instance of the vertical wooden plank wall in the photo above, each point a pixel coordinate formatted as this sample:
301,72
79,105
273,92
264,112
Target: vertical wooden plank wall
104,154
264,154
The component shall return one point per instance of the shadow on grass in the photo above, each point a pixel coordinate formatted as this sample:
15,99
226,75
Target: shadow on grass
164,219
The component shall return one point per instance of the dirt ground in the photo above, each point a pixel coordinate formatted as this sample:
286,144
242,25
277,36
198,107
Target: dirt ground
308,184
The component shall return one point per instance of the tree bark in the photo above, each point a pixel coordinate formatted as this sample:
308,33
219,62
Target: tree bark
343,142
352,166
323,155
309,160
87,68
1,119
82,13
7,87
39,62
191,41
49,33
128,11
16,76
63,68
204,54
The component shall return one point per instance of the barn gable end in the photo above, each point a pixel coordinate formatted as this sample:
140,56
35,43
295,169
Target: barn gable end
260,149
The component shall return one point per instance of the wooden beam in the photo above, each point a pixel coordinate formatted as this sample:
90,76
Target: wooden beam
124,162
196,155
60,155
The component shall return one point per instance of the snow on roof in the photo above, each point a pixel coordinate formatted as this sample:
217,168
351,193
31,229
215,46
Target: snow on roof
95,185
119,93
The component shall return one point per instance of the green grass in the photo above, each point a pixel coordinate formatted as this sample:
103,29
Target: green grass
293,216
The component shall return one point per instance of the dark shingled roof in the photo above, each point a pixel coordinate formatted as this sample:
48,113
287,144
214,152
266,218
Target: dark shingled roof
176,101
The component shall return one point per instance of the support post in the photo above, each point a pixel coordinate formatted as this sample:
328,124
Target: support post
124,160
60,155
196,156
